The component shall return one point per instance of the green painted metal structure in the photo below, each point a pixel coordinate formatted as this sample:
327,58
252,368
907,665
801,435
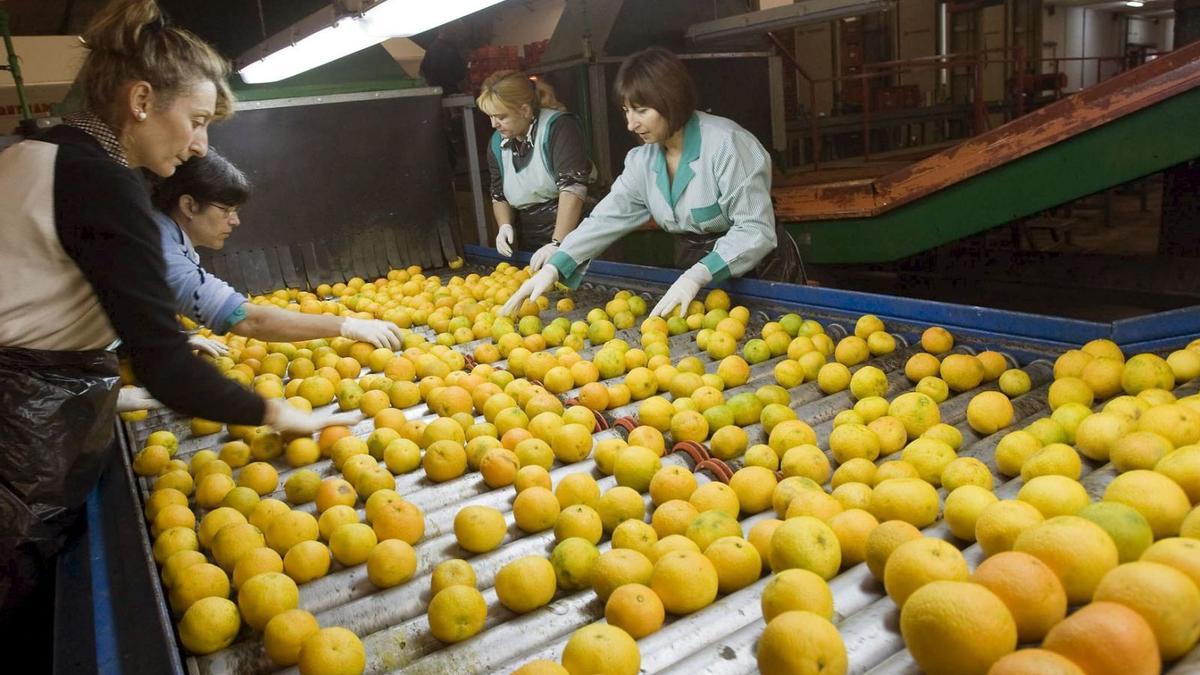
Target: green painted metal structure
14,66
1145,142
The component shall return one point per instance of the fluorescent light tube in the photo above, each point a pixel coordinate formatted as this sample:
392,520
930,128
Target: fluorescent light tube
404,18
344,37
324,36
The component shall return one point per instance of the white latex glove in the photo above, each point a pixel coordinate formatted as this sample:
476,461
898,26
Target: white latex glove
290,421
504,240
541,256
379,333
532,289
683,291
135,398
208,346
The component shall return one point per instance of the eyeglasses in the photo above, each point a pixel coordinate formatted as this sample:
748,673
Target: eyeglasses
229,211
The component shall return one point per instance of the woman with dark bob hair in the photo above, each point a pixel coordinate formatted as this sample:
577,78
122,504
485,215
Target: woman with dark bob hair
81,266
701,177
198,206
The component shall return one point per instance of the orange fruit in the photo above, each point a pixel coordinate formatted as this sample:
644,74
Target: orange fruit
1106,638
796,590
601,648
956,628
401,520
209,625
264,596
1165,597
635,609
617,567
332,650
738,563
285,633
335,491
540,666
1029,588
919,562
1079,551
883,541
1181,553
1158,498
685,581
800,642
1035,662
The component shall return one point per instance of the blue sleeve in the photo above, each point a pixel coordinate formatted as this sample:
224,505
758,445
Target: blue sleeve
197,293
231,314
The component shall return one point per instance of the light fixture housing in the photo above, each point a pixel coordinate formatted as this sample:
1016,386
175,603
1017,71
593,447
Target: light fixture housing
405,18
1134,3
334,32
315,40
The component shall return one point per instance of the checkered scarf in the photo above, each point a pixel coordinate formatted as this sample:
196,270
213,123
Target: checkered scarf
98,129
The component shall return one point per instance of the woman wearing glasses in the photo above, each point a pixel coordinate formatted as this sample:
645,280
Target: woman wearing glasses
198,206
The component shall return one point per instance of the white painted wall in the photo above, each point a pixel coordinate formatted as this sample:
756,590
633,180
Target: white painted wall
1160,33
1166,41
1083,32
814,52
992,32
1142,31
1104,35
916,23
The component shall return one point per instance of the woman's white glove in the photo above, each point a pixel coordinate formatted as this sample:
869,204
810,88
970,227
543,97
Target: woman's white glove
289,421
504,240
683,291
379,333
531,290
207,346
541,256
135,398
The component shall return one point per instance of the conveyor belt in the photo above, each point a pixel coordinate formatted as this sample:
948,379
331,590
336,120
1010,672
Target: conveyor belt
718,639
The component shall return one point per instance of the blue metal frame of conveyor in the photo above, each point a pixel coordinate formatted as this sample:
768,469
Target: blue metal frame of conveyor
1153,332
126,603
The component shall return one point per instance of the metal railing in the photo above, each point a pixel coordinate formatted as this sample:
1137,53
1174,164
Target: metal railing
1017,90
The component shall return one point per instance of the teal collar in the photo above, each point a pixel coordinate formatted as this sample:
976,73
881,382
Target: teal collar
671,190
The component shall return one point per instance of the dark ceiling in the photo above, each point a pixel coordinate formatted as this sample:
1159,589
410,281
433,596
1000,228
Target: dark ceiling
233,26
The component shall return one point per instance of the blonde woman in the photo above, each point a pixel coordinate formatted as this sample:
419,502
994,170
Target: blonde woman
538,162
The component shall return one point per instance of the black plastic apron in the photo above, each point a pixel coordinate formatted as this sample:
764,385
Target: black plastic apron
782,264
56,425
535,224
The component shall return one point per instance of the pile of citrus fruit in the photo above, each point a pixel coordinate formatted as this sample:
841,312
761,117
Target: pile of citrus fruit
1087,555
